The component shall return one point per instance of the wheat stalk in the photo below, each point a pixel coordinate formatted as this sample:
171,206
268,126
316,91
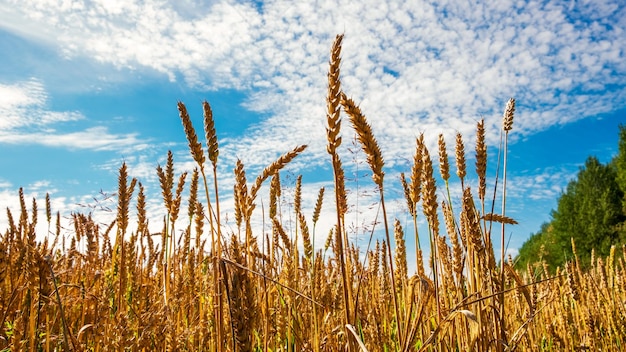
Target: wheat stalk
166,180
194,146
507,125
193,194
481,161
401,263
407,196
457,251
499,218
459,153
429,207
366,138
242,200
297,196
333,121
306,238
274,194
444,165
507,119
273,168
318,206
429,192
210,134
374,157
197,153
334,97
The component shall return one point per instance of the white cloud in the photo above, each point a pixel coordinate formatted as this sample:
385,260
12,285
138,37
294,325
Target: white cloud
25,119
541,185
22,104
94,138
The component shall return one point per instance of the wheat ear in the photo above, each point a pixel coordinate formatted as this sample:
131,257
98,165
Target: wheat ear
375,160
194,146
211,135
333,128
366,138
273,168
459,153
481,162
444,165
507,125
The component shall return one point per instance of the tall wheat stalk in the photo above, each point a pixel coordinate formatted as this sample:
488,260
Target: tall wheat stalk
413,191
375,161
507,125
333,128
197,152
316,215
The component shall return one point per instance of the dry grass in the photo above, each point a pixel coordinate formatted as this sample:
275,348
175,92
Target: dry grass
103,288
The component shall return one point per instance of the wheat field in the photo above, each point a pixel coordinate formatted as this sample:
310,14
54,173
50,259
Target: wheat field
122,288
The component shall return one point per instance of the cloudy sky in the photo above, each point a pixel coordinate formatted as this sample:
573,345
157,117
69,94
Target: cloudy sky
87,84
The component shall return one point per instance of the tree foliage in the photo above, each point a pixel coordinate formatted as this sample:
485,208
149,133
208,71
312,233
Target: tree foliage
620,164
591,211
541,246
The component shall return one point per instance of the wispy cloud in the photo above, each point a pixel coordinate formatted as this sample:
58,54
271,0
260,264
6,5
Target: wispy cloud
94,138
23,104
26,120
542,185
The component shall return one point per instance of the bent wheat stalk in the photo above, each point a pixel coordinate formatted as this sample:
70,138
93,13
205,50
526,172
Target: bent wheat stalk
376,162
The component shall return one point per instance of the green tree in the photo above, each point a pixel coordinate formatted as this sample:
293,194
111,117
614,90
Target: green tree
620,164
589,211
620,161
541,246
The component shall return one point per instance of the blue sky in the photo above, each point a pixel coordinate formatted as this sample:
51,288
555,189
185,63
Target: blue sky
85,85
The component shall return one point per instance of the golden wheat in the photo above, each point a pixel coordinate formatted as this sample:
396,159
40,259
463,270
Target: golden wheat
507,120
481,160
366,138
210,133
194,146
444,165
274,167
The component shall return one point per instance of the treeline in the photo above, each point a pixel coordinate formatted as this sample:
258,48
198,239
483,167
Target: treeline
591,213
